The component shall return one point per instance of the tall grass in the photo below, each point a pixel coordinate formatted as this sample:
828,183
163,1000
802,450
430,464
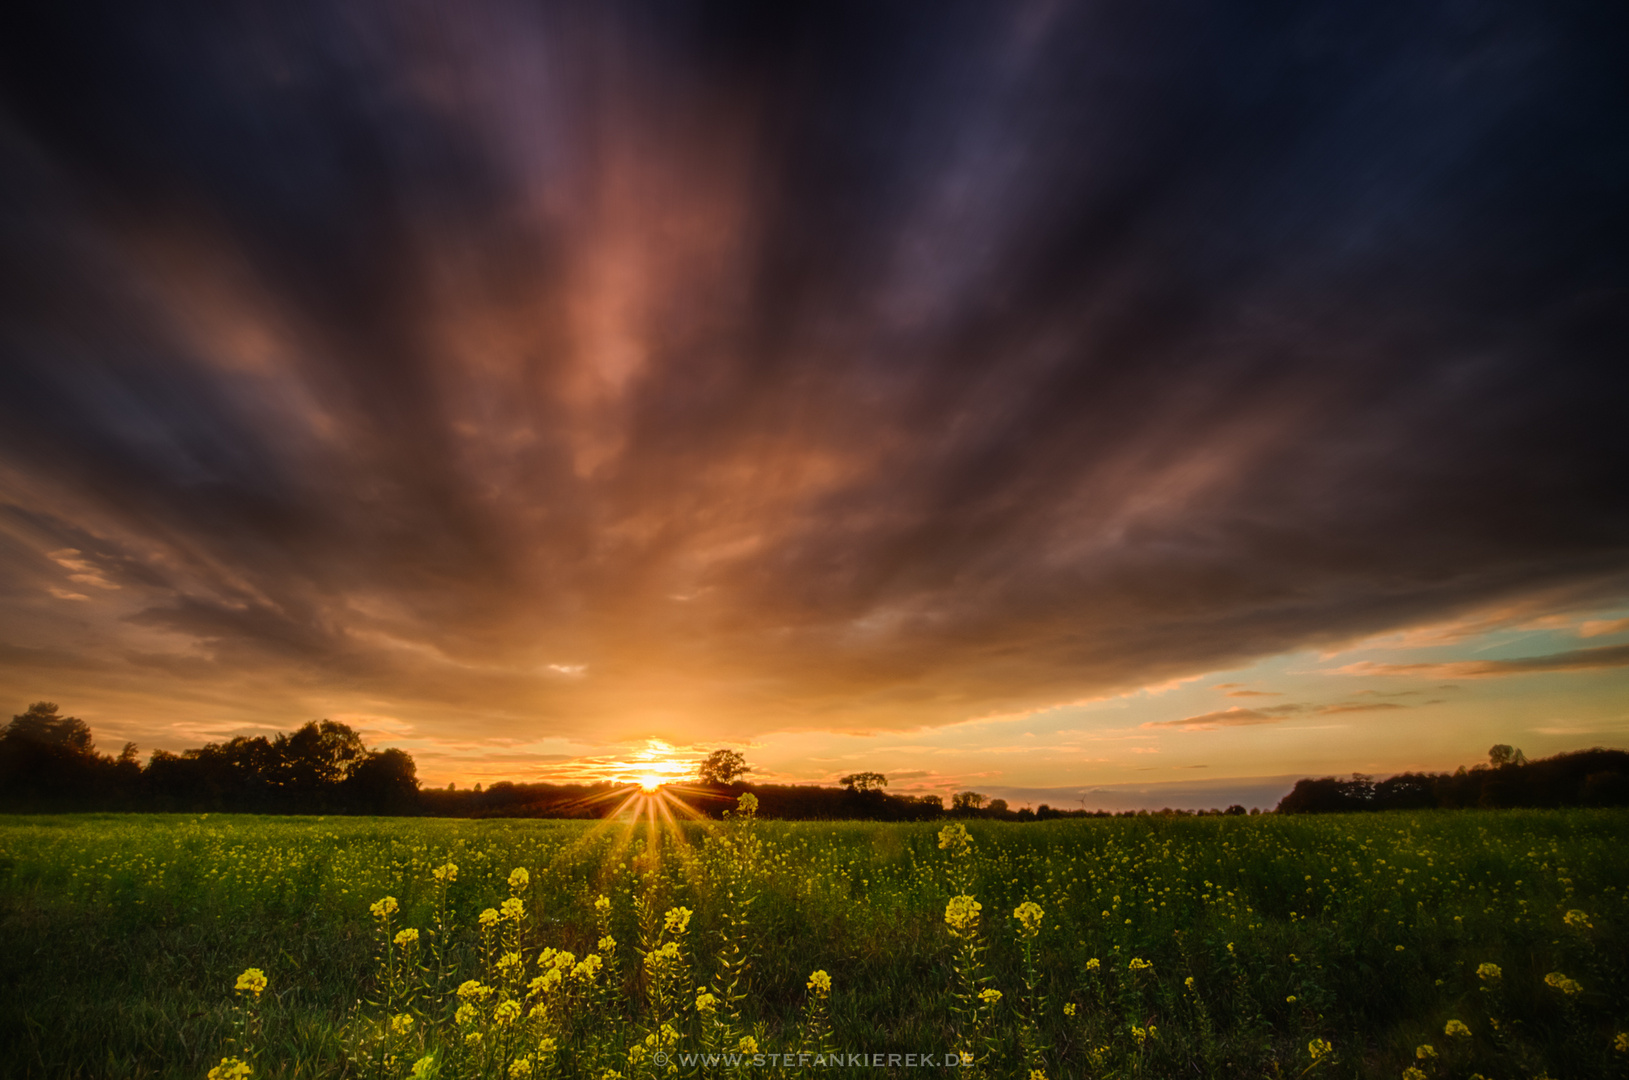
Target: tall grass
1155,947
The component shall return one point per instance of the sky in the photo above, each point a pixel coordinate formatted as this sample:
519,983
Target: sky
1089,403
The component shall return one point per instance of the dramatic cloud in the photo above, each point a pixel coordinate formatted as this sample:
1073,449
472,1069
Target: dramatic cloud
1607,656
710,370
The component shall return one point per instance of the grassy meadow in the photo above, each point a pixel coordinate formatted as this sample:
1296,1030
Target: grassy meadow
1436,945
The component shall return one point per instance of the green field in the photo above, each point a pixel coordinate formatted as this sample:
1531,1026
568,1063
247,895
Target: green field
1166,946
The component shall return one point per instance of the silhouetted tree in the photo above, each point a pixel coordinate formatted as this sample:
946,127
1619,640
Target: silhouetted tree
723,768
966,800
864,781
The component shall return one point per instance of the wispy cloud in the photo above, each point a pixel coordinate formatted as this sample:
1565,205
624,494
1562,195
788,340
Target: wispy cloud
1606,656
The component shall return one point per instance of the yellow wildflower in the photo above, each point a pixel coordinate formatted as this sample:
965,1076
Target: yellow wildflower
423,1068
1560,982
1621,1043
607,943
509,960
512,908
507,1012
465,1014
610,1074
489,917
1290,1000
589,967
520,1068
1029,915
473,1039
962,915
1425,1052
820,982
252,981
1188,982
401,1023
383,909
706,1002
990,995
602,903
519,879
1319,1048
748,1045
1577,920
954,839
1139,964
1140,1034
473,989
1093,964
230,1068
677,920
545,1046
1069,1008
747,805
636,1054
1037,1074
1489,972
1411,1073
448,873
1456,1029
406,937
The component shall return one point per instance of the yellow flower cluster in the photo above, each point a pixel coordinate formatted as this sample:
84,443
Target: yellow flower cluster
1319,1049
1139,964
509,961
602,903
507,1012
473,990
954,839
1037,1074
1069,1008
1558,981
990,995
1456,1029
230,1068
1577,920
1621,1043
1489,972
1411,1073
820,982
401,1023
748,1045
519,879
607,943
520,1068
962,915
423,1068
677,920
447,872
489,917
1425,1052
1093,964
384,909
512,908
1029,915
252,981
706,1002
409,936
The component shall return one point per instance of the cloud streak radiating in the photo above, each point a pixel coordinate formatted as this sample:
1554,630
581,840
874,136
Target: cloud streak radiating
547,370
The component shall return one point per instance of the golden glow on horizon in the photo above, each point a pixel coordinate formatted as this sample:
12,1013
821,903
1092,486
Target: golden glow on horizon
650,782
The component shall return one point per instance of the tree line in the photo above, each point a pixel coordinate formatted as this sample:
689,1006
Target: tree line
50,762
1580,778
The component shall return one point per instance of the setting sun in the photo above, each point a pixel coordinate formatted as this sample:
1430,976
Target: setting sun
649,782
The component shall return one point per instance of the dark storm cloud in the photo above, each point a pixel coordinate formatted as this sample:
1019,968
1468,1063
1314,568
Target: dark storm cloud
840,365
